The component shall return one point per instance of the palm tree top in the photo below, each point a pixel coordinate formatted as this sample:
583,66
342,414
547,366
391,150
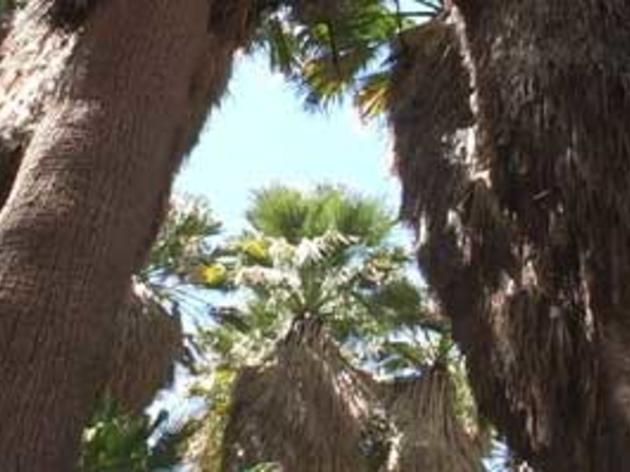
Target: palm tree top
283,212
331,49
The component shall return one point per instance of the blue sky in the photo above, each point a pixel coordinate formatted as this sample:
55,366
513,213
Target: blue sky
262,135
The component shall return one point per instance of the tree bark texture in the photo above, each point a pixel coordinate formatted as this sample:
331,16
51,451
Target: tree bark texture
553,94
528,247
125,105
307,408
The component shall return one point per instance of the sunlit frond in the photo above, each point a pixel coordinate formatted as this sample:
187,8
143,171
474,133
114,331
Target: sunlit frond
331,50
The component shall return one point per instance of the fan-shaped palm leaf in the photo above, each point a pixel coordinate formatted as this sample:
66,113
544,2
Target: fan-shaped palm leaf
333,49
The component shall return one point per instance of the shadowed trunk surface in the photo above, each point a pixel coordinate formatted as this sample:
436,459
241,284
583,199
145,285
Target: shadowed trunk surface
148,343
527,244
118,108
430,436
307,410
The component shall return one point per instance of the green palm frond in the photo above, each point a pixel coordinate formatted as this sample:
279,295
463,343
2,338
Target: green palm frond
337,53
281,212
278,212
282,45
114,441
182,246
330,50
371,94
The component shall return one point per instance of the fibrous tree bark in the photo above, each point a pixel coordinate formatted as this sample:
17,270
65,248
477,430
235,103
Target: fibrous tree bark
120,101
307,408
527,246
430,436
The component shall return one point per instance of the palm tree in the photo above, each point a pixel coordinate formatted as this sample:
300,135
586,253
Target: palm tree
114,95
99,103
150,344
522,237
529,268
328,299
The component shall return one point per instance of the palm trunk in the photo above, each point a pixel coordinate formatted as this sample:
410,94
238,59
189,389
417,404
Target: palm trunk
306,409
560,118
528,254
430,436
32,57
87,201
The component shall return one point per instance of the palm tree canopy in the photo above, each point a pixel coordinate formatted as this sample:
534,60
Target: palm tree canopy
321,307
282,212
330,50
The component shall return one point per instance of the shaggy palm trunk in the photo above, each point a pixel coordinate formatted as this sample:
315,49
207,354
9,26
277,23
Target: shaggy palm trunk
306,410
126,104
554,99
430,436
527,247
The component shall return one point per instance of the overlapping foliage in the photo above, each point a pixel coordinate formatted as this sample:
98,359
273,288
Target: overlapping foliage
352,285
121,436
328,313
462,206
116,440
487,227
332,50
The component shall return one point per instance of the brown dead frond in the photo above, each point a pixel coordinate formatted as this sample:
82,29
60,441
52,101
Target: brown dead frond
430,435
525,238
307,409
428,107
149,343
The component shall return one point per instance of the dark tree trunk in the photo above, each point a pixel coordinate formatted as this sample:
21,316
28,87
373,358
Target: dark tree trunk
524,239
88,198
554,96
528,250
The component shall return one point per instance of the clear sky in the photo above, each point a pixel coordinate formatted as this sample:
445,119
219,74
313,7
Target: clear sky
262,135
